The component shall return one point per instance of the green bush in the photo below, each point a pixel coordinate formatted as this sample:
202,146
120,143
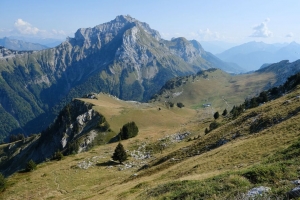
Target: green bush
72,147
213,126
180,105
129,130
30,166
265,173
58,155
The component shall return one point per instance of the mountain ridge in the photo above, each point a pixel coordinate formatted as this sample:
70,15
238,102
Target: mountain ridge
252,55
123,57
20,45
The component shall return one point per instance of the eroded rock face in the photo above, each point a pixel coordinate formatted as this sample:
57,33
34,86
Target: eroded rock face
77,120
185,49
85,117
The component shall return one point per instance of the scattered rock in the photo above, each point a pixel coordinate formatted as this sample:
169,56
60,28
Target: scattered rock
221,142
88,162
254,192
296,182
287,102
294,193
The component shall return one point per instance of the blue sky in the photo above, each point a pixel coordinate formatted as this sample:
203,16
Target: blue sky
234,21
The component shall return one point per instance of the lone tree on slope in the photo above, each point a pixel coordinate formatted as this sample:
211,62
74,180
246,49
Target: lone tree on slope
224,112
119,154
216,115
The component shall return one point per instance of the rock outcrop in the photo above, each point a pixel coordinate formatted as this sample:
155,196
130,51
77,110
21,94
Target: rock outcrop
73,131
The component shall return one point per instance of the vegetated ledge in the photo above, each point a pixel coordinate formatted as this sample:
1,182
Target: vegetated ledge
77,128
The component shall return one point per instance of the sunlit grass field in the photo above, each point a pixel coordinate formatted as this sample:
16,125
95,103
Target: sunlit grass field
175,171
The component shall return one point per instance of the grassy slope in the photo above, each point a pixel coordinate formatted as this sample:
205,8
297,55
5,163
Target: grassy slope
223,90
61,180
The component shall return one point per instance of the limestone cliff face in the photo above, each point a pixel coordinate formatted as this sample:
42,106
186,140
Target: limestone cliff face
185,49
73,131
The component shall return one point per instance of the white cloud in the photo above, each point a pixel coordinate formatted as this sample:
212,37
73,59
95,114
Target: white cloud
262,30
58,32
24,27
205,35
170,36
290,35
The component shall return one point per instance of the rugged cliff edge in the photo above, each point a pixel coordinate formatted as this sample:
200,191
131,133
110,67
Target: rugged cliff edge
77,128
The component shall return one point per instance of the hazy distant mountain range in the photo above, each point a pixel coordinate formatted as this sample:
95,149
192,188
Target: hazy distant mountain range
48,42
252,55
216,47
20,45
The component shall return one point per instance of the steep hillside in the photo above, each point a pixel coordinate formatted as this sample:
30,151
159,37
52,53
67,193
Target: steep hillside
88,122
123,57
77,128
215,89
257,148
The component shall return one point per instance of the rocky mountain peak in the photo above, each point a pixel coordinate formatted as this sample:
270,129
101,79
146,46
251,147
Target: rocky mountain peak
104,33
123,57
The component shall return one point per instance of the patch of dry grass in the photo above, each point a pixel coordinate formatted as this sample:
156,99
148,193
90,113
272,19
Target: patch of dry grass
63,180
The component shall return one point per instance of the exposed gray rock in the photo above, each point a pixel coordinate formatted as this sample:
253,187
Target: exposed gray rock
294,193
258,191
77,125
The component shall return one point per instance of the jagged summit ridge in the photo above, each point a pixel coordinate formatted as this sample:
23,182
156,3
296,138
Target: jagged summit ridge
105,32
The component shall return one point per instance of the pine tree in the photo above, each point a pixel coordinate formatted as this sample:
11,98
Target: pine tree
120,153
206,131
224,112
216,115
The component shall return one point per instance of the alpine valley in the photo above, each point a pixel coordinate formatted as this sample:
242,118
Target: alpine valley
123,57
206,129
